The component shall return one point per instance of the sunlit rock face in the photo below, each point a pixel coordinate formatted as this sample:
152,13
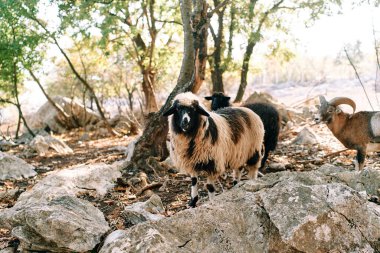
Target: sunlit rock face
319,211
50,216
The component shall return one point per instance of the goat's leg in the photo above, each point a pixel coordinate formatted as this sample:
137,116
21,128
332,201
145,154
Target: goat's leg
360,158
194,190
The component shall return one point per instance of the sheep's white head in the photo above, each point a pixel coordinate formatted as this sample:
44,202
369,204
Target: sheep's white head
327,110
187,112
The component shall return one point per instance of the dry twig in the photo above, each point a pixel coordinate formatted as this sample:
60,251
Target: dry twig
148,187
335,153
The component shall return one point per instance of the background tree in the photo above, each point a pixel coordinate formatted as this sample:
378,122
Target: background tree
40,29
219,60
152,144
268,15
18,49
133,27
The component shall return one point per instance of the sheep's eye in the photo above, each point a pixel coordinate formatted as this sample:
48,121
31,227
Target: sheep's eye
330,110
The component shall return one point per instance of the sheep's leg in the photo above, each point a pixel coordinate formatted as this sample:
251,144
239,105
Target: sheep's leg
236,174
221,185
210,187
194,191
264,160
253,164
360,158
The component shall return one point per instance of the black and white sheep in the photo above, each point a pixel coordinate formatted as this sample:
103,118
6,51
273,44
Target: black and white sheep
359,131
210,142
267,113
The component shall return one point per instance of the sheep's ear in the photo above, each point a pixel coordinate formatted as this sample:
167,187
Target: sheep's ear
171,110
227,98
202,111
208,98
199,109
318,106
338,110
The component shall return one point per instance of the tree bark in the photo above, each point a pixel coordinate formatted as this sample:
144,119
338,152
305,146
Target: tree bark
244,70
200,23
147,86
217,69
152,143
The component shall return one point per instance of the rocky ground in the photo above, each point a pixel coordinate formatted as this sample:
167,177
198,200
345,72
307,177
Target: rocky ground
303,146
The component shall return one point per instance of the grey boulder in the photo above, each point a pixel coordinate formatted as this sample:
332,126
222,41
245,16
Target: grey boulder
50,217
281,212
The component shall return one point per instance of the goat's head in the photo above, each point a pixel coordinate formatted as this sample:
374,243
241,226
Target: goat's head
218,100
186,115
328,110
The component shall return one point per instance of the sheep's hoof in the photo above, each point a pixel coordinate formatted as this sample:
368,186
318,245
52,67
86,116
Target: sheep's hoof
193,202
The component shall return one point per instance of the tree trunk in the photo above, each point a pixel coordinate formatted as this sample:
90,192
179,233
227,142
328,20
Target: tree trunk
254,37
216,64
18,105
152,143
200,23
217,79
244,70
18,125
147,87
21,115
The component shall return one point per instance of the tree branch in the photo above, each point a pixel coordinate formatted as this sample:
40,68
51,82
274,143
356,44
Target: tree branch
169,22
377,61
217,8
213,34
357,75
2,100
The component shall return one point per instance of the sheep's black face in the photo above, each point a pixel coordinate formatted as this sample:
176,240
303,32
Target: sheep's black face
186,118
218,100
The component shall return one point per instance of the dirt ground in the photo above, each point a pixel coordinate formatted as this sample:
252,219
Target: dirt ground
171,186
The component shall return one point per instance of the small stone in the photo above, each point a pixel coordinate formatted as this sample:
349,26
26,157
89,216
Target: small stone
306,137
85,137
172,171
12,167
132,218
276,166
131,196
154,205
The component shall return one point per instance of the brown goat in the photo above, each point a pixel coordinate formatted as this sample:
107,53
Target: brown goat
359,131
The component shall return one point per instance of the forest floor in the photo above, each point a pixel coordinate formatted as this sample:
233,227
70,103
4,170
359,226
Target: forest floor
171,186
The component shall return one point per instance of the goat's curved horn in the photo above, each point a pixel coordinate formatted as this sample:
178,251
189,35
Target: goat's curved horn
343,100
